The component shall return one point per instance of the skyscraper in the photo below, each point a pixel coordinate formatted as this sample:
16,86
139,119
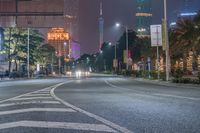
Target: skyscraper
143,17
101,26
71,13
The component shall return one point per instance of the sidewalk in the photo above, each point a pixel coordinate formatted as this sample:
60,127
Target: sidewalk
167,83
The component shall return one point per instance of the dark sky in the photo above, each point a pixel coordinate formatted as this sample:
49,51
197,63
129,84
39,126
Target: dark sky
118,11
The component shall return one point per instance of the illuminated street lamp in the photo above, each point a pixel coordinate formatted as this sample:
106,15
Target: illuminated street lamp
126,29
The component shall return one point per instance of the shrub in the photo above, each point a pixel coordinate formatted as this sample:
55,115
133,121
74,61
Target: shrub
178,73
198,76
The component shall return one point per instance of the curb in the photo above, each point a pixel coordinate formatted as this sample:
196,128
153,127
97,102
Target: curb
167,83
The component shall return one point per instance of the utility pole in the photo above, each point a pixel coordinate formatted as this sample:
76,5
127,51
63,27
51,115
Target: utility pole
168,67
28,55
127,53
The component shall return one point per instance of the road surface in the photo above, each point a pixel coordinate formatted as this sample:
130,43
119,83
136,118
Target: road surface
101,104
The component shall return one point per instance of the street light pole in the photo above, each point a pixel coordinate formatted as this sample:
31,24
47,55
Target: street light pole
127,53
127,48
116,58
166,42
28,55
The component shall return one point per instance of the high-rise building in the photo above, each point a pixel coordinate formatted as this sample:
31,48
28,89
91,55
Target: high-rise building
71,13
143,17
32,13
101,27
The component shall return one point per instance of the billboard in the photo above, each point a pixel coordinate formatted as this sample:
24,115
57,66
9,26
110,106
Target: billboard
156,35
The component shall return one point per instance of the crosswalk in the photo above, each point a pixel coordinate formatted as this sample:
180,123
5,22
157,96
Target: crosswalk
40,112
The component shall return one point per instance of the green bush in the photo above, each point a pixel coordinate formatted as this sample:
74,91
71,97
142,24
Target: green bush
198,76
178,73
137,74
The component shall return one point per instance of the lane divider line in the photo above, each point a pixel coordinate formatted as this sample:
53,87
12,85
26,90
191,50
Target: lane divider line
101,119
17,111
9,99
26,103
58,125
155,94
30,98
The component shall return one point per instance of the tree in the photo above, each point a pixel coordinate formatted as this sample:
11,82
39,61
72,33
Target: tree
16,45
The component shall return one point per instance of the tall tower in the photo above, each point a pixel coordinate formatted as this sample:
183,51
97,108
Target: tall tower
101,26
143,17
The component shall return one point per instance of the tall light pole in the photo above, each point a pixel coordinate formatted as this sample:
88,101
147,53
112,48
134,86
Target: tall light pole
28,55
166,42
127,53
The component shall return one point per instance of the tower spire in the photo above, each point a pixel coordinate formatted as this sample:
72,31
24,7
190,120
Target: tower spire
101,9
101,26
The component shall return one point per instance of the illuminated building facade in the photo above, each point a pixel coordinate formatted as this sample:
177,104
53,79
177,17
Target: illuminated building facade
75,46
143,17
59,39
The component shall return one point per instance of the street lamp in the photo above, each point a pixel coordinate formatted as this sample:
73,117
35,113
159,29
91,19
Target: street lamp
126,29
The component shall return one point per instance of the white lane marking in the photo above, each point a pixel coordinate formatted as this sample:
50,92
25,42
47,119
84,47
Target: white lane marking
32,102
101,119
47,88
35,95
156,94
30,98
58,125
36,110
175,96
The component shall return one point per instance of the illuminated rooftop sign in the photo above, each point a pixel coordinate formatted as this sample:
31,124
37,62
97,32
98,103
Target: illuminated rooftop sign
58,34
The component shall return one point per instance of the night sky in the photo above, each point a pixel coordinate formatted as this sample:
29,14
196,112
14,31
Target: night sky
118,11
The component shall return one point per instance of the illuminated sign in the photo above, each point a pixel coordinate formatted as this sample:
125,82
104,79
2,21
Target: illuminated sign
188,14
144,15
58,34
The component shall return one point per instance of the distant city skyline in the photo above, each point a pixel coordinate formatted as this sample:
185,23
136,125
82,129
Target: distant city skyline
122,11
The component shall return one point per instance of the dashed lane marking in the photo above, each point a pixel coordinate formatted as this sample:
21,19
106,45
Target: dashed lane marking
36,110
58,125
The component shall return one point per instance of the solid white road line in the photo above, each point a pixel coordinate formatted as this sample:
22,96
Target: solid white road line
101,119
40,95
58,125
32,102
30,98
37,110
175,96
156,94
47,88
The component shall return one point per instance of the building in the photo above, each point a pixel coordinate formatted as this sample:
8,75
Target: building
1,38
71,13
32,13
75,47
143,17
59,39
187,12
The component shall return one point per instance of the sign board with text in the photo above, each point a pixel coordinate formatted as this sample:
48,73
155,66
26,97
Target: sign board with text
156,35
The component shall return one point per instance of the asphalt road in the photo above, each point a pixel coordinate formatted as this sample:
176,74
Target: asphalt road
98,104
